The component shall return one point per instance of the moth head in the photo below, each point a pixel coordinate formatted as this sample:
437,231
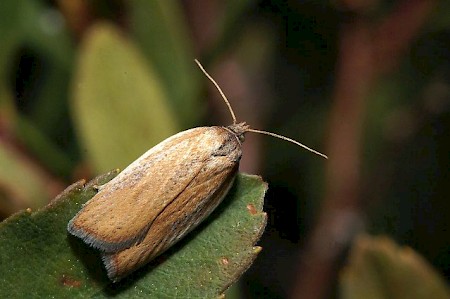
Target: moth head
239,130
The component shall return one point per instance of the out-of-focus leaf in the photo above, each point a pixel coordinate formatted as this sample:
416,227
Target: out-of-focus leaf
45,150
46,36
9,33
40,259
234,10
160,30
34,26
21,186
43,28
229,27
439,20
380,269
38,30
119,105
9,37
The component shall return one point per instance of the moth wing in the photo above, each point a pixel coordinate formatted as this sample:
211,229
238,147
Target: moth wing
193,205
120,214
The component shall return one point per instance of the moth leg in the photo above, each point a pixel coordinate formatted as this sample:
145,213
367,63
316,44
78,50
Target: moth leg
98,187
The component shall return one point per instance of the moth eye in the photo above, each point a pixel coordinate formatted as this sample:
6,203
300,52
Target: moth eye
219,152
225,149
241,137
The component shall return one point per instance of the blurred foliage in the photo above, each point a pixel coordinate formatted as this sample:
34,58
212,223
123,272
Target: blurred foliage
378,268
158,27
88,86
114,85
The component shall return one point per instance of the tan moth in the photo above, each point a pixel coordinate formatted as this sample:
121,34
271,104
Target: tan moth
163,195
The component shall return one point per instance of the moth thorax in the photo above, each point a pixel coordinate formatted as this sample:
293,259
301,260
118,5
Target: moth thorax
239,130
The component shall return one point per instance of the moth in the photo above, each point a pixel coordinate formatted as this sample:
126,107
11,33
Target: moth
163,195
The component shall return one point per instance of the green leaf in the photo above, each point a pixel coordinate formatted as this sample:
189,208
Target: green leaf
379,268
161,32
40,259
119,104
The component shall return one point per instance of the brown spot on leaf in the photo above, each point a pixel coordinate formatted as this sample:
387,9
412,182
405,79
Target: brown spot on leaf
225,261
69,282
251,208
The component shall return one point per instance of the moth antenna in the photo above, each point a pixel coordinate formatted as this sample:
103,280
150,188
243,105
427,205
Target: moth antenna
290,140
219,89
253,130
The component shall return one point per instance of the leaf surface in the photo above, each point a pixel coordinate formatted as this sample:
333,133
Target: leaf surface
40,259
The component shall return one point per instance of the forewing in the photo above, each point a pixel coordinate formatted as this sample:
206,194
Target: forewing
192,206
120,214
